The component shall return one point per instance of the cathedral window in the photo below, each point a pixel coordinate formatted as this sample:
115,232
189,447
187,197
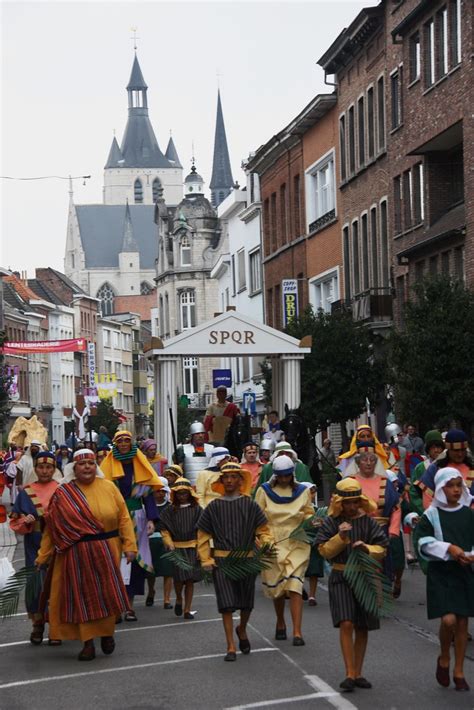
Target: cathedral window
106,296
157,189
138,191
185,250
145,288
187,302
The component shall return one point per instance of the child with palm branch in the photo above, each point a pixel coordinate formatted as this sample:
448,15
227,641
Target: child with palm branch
348,527
235,523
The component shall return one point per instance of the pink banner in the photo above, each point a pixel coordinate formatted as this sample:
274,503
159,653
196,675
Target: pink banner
44,346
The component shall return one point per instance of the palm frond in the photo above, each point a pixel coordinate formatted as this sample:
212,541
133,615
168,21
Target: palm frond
304,532
178,559
371,588
238,564
321,512
28,577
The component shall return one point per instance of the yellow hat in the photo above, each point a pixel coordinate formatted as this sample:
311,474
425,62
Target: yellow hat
346,489
175,469
231,467
123,433
182,484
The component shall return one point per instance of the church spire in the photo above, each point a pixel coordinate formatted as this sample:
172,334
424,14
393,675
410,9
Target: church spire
172,154
221,180
115,159
139,147
128,241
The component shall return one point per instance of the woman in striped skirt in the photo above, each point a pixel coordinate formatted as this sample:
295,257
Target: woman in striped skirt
234,522
178,526
349,526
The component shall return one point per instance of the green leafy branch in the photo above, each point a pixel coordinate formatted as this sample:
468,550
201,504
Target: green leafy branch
26,578
371,588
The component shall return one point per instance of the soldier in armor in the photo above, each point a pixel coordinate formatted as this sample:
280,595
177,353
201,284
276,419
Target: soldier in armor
195,456
219,416
266,450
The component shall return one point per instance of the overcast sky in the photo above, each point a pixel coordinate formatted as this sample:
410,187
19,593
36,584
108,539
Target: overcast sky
65,66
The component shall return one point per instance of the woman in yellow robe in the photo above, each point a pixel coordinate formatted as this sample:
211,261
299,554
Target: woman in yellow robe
110,514
286,504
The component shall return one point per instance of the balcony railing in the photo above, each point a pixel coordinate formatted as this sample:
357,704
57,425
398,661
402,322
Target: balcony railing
373,305
322,221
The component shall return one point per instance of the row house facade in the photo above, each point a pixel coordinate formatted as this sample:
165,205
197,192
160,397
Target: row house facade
429,60
238,272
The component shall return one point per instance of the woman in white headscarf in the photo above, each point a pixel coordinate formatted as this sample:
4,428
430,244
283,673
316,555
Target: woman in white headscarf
444,537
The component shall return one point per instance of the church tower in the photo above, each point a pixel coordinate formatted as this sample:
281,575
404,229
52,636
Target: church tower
137,170
221,180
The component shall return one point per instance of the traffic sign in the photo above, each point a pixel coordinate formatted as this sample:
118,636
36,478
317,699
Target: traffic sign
249,402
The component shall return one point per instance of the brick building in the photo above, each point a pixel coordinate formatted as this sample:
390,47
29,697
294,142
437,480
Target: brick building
357,60
430,151
323,246
279,165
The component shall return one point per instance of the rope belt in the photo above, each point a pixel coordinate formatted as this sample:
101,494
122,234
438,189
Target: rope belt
99,536
382,521
338,566
185,544
226,553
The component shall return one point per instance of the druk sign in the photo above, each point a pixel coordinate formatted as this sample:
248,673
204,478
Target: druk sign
289,289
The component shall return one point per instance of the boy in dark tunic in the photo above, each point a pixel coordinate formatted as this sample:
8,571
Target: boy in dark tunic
349,526
178,526
444,537
233,521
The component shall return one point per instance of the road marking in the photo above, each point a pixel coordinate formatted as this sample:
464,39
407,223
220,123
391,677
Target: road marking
334,698
280,701
120,669
135,628
164,626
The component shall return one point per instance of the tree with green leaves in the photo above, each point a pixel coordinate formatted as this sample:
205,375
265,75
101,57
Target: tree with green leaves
107,416
432,358
341,370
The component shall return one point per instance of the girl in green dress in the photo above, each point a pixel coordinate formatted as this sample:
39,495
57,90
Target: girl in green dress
445,538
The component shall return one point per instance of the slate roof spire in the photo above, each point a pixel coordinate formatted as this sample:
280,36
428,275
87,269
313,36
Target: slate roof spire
221,180
172,154
139,147
115,159
128,242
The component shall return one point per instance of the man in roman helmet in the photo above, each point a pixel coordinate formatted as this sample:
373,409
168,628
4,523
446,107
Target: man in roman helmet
194,456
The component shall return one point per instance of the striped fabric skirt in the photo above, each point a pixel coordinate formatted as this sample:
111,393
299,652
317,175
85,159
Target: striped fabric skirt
344,605
232,595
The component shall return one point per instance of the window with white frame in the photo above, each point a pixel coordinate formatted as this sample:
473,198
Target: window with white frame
324,290
116,338
255,270
185,251
190,375
118,370
187,302
242,280
320,190
106,338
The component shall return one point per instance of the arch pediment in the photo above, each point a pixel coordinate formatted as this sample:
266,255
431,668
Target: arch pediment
231,334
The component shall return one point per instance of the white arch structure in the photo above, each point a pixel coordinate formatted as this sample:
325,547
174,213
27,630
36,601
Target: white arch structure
229,334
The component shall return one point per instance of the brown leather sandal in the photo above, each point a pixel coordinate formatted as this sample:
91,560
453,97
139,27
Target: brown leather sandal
36,636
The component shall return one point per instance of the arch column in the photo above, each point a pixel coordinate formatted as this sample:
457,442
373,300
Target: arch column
278,401
166,393
291,380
